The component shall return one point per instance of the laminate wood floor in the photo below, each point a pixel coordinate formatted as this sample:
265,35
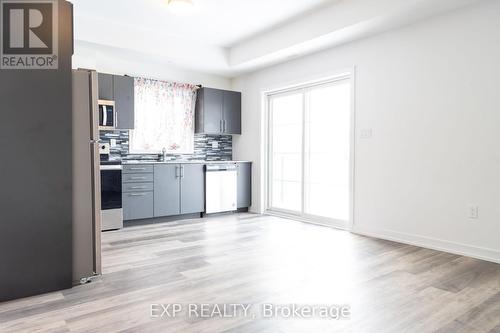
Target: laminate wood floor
254,260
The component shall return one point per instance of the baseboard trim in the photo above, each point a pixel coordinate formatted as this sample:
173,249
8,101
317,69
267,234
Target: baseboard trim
431,243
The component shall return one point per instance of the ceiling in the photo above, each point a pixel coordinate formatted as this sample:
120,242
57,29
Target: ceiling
231,37
213,22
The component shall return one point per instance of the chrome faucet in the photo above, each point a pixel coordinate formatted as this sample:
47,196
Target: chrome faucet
164,154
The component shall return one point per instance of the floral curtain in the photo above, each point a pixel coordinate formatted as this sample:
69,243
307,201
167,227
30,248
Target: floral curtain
164,117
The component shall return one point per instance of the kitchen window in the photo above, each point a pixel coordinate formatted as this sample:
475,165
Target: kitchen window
309,168
164,117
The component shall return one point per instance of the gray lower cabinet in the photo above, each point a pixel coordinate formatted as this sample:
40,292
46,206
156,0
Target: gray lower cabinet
137,205
161,190
178,189
244,199
192,188
167,198
138,195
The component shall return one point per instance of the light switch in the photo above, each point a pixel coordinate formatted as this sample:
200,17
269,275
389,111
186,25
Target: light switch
473,212
215,144
366,133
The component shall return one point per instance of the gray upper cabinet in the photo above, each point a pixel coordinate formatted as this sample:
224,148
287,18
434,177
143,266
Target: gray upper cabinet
218,111
166,190
209,107
105,82
121,90
231,112
192,188
244,199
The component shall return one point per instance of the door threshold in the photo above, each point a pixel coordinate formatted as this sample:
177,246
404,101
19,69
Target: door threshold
331,224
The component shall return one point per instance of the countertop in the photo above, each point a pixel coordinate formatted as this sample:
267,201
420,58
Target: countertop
135,162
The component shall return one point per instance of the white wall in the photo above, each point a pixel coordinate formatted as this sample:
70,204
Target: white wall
431,94
118,61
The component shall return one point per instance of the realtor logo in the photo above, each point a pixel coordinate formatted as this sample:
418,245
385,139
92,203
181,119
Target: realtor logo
29,34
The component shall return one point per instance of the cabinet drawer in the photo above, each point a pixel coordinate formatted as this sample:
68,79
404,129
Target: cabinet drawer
134,187
137,205
138,169
137,177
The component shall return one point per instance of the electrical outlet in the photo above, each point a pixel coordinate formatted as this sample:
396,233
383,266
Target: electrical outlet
473,212
366,133
215,144
112,142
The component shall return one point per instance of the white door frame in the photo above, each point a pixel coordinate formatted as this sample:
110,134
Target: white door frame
267,97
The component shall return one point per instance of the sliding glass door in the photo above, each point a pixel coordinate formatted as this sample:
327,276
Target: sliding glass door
309,152
287,120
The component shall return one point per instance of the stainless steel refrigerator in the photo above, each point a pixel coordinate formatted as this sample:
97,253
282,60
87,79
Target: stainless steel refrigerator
86,178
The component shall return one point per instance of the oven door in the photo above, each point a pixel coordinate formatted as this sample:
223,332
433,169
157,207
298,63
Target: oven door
111,189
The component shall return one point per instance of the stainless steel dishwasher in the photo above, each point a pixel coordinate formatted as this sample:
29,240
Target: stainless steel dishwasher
221,188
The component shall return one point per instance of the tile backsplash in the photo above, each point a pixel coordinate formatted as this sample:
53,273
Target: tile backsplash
206,148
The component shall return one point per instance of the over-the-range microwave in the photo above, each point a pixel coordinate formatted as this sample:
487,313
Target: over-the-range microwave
107,115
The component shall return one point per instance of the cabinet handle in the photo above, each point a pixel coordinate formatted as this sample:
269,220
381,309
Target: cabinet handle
138,187
137,194
176,171
137,178
224,127
221,126
139,169
182,171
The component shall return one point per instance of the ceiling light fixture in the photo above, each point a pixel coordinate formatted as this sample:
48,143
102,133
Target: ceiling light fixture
180,7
